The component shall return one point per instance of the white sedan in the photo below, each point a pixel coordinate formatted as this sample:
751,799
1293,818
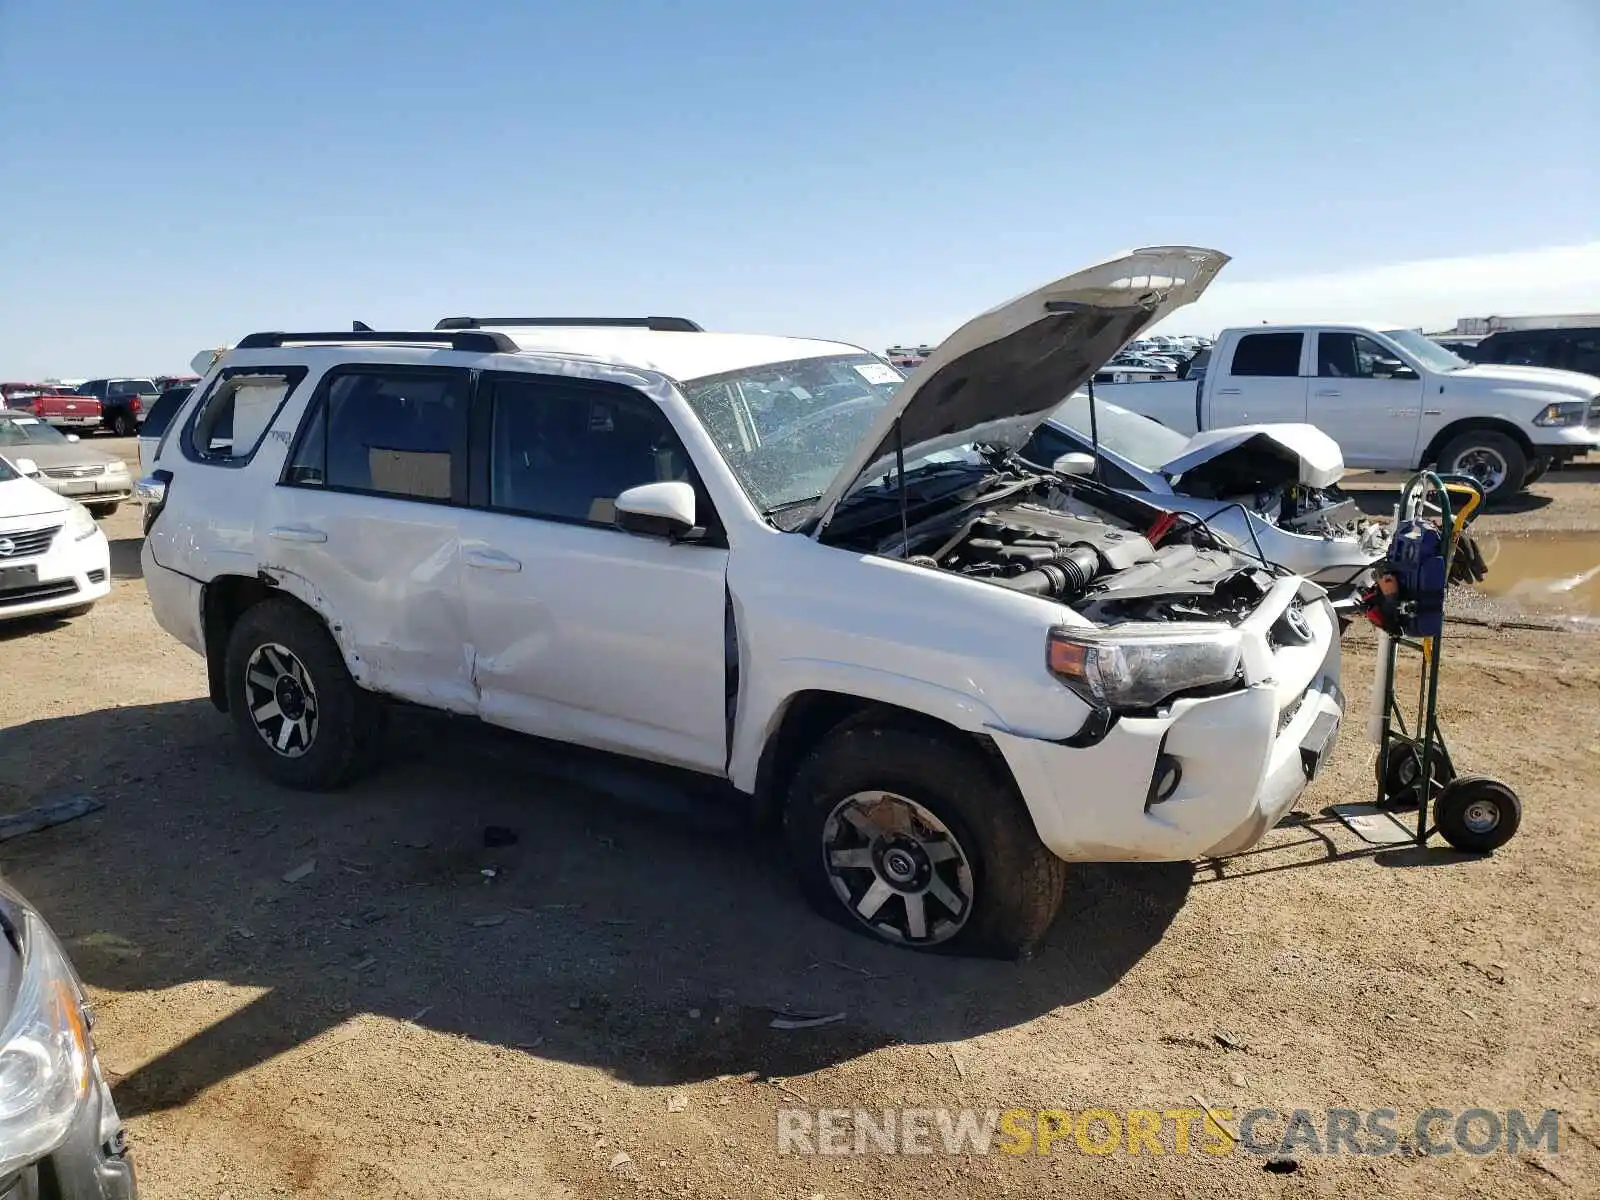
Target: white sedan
53,557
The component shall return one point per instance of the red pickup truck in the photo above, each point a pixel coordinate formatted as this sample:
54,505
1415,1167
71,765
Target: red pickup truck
52,403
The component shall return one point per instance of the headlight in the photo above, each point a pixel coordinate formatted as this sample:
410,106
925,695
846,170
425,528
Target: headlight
1140,666
81,523
1567,412
44,1053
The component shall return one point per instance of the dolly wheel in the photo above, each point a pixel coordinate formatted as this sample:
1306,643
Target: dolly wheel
1477,814
1399,770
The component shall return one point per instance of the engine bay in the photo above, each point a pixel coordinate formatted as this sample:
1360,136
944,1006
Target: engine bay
1107,556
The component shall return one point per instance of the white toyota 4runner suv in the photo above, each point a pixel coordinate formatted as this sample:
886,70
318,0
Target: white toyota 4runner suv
767,560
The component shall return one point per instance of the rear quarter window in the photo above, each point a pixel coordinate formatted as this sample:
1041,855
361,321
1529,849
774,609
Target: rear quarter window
232,418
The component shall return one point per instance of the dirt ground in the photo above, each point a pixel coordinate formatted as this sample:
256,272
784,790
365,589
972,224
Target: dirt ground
587,1013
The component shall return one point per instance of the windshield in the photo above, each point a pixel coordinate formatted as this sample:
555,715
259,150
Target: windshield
786,428
1137,439
28,431
1425,350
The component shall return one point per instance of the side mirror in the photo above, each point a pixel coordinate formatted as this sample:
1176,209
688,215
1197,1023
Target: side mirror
1076,463
658,510
72,437
26,466
1401,371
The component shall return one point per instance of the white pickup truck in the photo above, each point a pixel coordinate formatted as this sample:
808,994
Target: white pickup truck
1393,399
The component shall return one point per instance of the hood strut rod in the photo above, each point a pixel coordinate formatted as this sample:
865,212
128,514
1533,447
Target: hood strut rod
1094,433
900,478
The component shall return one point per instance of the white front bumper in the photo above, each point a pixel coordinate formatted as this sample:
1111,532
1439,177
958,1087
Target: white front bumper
69,573
1245,758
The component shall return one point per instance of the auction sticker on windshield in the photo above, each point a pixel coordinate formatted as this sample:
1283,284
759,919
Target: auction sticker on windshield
877,373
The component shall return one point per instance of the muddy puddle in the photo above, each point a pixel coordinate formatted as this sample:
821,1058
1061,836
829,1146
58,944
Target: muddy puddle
1554,574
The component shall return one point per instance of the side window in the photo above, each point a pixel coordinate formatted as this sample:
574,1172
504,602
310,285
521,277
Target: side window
566,449
1583,354
1523,352
162,412
1352,356
236,411
389,431
1274,354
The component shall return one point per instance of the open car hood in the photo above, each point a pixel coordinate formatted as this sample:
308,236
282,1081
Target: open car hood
1246,458
1002,374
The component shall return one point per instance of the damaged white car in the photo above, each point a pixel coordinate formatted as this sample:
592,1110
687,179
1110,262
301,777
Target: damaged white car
772,562
1271,490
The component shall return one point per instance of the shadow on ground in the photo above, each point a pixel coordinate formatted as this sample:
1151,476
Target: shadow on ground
655,946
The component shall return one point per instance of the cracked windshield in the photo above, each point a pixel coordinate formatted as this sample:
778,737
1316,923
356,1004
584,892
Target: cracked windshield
786,429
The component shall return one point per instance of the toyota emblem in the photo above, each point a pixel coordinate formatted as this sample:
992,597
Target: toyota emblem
7,547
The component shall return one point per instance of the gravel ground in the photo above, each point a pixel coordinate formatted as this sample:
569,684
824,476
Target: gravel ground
594,1017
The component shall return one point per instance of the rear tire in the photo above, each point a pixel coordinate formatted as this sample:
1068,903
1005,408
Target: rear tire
102,511
916,839
303,720
1494,459
122,424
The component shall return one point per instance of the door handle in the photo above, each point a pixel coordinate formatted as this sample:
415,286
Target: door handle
1329,392
1228,391
297,533
491,560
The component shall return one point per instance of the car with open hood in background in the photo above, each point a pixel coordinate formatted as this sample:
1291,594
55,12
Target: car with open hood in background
772,562
60,1135
65,464
1269,489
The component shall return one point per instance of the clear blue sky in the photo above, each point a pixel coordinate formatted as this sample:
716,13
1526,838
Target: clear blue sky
179,172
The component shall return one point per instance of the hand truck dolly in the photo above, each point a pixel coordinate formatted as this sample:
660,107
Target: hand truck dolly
1414,767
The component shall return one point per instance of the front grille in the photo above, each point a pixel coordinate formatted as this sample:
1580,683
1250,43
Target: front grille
39,591
88,471
26,543
97,576
1594,413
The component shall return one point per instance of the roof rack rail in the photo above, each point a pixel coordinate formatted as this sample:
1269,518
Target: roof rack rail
472,342
659,324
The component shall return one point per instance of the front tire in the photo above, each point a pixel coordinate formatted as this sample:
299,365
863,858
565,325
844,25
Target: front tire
916,840
1494,459
1477,814
303,720
102,511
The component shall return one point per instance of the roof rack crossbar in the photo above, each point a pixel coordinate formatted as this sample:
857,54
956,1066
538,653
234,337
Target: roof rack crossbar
658,324
474,341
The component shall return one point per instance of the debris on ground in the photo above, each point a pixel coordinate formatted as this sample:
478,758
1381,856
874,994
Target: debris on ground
300,872
113,944
1228,1042
805,1022
488,920
43,816
677,1102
